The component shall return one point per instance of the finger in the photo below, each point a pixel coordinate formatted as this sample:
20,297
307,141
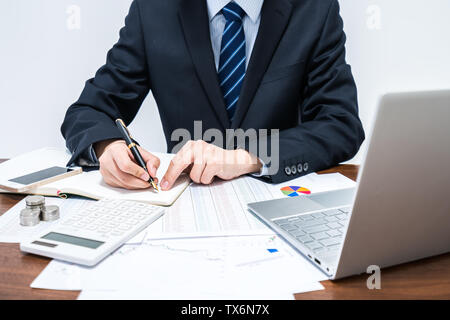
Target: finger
113,176
151,161
199,163
115,182
179,163
213,160
208,174
156,180
125,163
127,180
197,171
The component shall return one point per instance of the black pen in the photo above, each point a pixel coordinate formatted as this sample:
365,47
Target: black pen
134,150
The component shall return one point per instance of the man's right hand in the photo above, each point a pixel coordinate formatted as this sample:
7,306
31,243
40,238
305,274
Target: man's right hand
119,169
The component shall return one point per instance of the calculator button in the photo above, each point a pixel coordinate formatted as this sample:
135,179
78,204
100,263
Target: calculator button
112,224
126,215
80,225
148,211
120,219
117,233
103,230
111,204
115,212
124,227
132,221
91,228
141,217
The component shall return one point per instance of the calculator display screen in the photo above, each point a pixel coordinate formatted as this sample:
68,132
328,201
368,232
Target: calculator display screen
82,242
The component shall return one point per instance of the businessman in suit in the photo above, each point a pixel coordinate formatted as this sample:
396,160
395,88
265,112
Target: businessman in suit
244,64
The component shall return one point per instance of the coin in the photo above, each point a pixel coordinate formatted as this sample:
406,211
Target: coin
50,213
40,207
34,201
30,217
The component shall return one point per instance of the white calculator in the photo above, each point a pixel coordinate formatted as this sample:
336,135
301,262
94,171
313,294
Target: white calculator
88,236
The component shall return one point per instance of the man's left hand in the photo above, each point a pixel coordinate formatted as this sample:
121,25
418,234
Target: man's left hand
204,162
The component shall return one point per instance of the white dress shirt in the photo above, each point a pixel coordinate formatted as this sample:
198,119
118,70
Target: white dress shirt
250,24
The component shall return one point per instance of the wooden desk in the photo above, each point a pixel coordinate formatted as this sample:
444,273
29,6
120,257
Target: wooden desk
426,279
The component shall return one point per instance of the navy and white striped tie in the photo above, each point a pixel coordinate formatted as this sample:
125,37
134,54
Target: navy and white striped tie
232,56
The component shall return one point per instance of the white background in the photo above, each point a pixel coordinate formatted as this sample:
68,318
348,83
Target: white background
49,48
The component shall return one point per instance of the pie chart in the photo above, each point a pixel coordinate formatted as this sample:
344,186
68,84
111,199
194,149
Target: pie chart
294,191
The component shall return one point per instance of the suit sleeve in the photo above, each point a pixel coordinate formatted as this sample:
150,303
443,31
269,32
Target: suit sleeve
330,131
117,91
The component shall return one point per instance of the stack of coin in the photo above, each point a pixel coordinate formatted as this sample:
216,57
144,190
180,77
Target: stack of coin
35,202
37,211
30,217
50,213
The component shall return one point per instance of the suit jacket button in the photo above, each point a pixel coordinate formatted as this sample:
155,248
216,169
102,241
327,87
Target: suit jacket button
288,171
305,166
294,170
299,168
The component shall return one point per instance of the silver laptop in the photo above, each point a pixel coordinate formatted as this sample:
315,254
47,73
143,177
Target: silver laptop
400,210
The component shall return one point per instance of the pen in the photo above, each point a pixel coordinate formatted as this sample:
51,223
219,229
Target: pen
134,150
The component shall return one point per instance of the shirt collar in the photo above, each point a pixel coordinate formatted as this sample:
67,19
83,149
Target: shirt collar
251,7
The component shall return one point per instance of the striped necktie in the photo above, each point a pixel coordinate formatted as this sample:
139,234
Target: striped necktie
232,57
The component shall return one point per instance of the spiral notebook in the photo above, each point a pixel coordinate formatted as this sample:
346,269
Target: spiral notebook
88,184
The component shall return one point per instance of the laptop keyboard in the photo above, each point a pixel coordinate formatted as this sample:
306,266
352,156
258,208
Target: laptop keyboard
322,232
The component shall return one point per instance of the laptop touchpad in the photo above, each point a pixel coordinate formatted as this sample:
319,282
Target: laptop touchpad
332,199
292,206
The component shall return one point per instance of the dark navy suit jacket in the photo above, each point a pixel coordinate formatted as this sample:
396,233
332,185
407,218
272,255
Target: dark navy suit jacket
297,71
